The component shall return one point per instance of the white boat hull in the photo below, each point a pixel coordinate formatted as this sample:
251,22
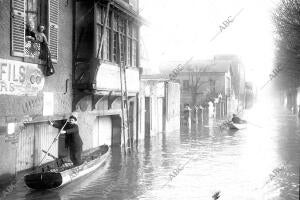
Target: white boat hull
84,169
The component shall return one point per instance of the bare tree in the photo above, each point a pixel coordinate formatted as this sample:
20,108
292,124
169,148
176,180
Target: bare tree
196,84
286,18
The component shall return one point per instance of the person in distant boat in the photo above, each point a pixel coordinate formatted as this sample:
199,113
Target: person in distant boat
72,140
235,119
186,111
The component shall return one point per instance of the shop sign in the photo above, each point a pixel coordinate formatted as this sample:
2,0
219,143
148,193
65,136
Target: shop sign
20,78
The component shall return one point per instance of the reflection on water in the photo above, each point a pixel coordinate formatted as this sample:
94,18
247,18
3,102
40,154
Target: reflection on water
260,162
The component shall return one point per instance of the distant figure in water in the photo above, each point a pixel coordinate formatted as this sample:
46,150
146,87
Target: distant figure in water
216,195
186,111
235,119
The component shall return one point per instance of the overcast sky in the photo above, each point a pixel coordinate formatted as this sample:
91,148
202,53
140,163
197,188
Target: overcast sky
178,30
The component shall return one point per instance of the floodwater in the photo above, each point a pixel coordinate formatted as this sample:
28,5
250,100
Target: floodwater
259,162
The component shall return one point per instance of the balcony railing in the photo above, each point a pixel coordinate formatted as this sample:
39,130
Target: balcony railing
32,49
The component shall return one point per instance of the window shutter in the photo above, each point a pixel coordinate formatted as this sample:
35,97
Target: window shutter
18,28
53,28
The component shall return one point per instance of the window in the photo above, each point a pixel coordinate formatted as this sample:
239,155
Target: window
122,33
129,44
134,45
32,20
3,130
121,30
29,14
186,84
8,131
107,40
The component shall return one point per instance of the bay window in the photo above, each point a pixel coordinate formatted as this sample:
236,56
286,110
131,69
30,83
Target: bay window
119,29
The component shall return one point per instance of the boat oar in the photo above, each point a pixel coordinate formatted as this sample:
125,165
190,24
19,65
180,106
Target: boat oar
54,140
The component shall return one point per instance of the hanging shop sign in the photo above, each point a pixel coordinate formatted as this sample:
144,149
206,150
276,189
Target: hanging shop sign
20,78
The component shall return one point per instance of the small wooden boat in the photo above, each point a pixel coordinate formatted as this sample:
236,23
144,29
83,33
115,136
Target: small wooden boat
57,174
232,125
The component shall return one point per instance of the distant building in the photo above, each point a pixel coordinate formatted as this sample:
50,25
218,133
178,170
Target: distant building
203,82
159,105
238,77
250,95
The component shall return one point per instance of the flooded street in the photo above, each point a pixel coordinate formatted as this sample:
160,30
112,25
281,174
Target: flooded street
140,100
259,162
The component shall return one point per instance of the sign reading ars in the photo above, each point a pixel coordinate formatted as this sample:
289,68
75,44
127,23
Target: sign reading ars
19,78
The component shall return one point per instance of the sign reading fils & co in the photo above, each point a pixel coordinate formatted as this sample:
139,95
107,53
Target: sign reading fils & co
20,78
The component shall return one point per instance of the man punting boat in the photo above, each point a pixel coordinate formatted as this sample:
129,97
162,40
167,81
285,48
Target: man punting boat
59,172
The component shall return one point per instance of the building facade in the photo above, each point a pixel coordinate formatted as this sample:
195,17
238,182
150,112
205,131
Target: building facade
106,39
201,83
29,96
220,80
238,78
86,81
159,105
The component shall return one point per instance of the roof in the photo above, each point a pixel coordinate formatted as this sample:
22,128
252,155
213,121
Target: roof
221,66
218,66
231,57
159,77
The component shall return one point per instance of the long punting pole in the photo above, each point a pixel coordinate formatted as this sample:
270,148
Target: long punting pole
54,140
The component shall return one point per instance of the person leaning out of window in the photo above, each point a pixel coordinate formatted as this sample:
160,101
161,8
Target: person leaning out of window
29,32
42,39
37,37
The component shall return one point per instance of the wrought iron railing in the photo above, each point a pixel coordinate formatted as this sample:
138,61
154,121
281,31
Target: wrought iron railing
32,49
